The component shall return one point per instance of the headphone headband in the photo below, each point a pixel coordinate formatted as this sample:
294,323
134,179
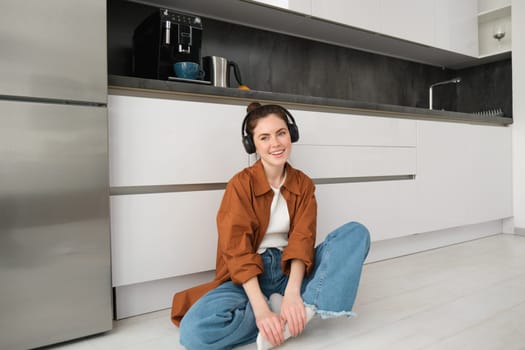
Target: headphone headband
247,139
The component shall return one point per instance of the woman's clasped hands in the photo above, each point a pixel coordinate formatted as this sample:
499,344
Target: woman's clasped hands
276,328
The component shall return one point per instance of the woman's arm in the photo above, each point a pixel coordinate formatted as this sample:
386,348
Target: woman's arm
270,324
292,308
237,227
301,239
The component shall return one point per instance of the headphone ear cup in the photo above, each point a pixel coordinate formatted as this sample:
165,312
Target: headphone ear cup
294,132
248,144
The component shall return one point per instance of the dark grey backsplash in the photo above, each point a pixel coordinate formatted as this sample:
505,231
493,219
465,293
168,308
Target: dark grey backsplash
486,87
280,63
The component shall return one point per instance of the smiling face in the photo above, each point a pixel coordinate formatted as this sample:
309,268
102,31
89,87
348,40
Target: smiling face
272,141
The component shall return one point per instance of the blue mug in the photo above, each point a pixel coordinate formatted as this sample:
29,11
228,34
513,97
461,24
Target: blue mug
188,70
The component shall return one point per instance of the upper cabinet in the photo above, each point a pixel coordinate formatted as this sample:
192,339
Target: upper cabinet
437,32
494,25
300,6
456,26
444,24
412,20
355,13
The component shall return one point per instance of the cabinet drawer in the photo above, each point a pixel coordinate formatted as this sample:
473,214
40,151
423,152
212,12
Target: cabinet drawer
155,236
338,129
163,142
386,208
353,161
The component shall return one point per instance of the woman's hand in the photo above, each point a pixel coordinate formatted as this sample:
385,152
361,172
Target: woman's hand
271,326
294,313
292,307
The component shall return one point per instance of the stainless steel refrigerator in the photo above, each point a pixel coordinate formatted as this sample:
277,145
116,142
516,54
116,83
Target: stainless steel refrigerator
55,277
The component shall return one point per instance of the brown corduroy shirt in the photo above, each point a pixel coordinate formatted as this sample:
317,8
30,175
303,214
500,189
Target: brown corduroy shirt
242,220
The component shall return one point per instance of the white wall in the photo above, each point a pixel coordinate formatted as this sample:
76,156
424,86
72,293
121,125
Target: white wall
518,91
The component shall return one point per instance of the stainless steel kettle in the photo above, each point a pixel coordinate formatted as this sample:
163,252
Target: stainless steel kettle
217,70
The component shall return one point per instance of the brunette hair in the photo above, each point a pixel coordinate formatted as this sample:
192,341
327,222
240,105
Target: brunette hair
257,111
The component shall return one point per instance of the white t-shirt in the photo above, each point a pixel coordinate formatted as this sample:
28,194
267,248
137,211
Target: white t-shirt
276,235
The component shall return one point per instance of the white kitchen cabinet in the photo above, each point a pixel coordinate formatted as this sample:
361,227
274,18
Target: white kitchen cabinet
354,13
161,235
458,175
300,6
412,20
464,175
456,26
463,172
166,142
445,24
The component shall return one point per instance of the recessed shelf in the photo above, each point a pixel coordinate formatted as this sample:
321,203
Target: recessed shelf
495,32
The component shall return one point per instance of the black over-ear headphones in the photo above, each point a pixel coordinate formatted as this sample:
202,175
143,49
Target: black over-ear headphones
247,139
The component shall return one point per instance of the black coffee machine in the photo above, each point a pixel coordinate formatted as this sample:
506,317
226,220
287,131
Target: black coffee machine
164,38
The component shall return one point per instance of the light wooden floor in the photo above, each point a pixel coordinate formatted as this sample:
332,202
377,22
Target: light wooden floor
466,296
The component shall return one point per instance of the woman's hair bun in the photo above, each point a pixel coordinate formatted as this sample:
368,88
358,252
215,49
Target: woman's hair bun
252,106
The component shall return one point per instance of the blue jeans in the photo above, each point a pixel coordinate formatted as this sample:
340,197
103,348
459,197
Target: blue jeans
223,318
